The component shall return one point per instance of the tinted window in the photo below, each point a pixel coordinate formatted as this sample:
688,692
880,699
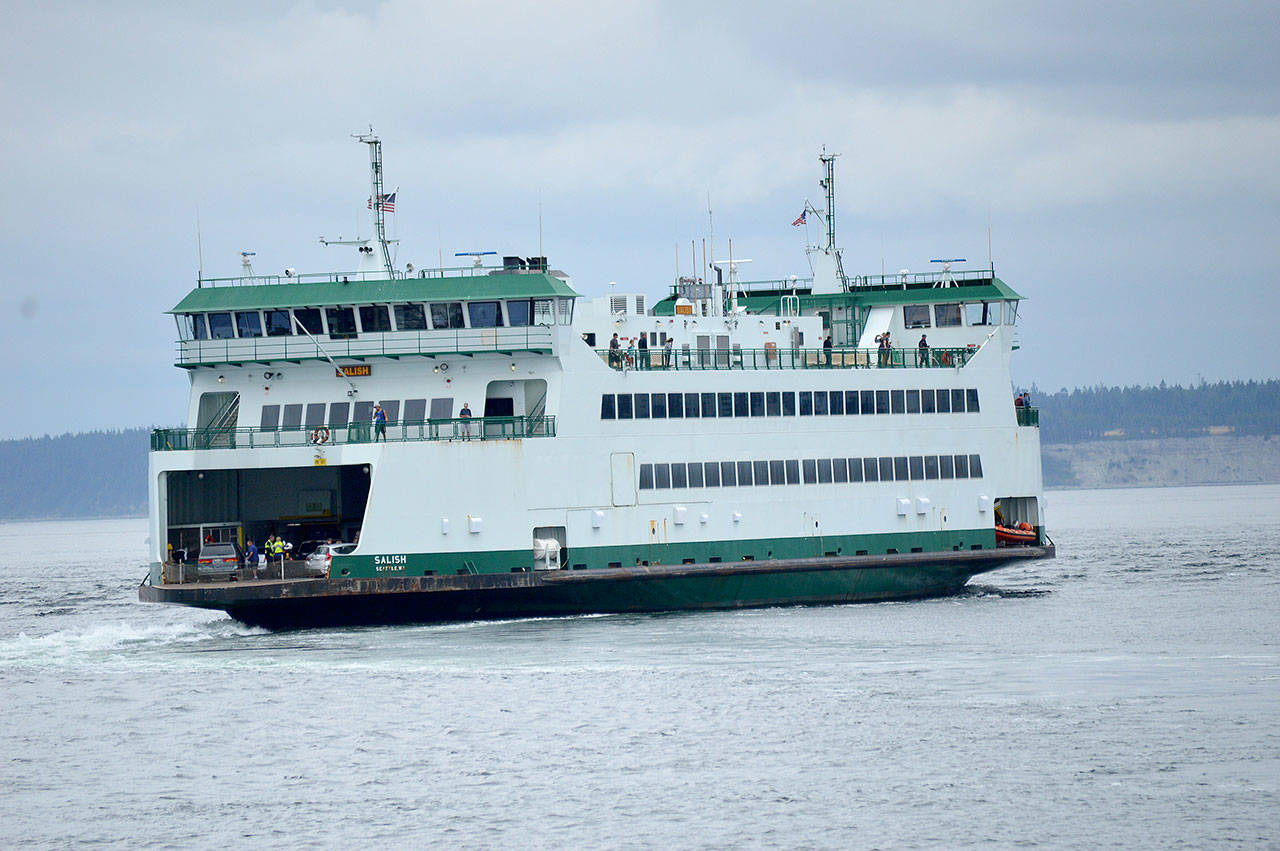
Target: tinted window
740,405
851,401
375,317
773,404
277,323
711,473
926,402
646,477
788,404
916,315
678,477
415,410
691,405
840,471
442,408
777,473
695,474
855,470
728,474
270,417
608,410
658,406
338,414
975,467
957,401
315,414
806,403
913,401
410,317
292,416
446,314
662,475
199,330
793,472
882,401
947,466
761,471
362,413
484,314
835,402
897,402
947,315
971,399
641,406
342,322
249,324
309,319
931,466
824,470
391,409
916,467
809,469
624,406
220,326
675,406
900,468
944,401
962,466
820,403
708,404
870,469
757,404
886,469
867,401
725,406
744,474
519,313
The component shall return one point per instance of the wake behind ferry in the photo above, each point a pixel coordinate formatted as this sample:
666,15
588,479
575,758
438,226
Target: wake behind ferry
484,442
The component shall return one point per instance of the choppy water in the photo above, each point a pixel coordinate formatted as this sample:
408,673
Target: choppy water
1125,695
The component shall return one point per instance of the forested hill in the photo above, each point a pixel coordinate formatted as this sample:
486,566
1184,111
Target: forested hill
1096,413
98,474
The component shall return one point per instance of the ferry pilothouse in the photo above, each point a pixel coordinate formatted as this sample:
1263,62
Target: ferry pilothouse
481,441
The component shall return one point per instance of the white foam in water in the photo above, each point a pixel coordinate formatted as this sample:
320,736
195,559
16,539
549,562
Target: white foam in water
109,638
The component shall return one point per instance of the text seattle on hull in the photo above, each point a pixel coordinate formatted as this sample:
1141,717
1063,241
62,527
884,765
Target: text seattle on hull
493,444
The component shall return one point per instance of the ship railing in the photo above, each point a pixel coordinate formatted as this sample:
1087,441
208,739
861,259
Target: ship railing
907,279
443,429
392,344
1027,416
780,357
466,271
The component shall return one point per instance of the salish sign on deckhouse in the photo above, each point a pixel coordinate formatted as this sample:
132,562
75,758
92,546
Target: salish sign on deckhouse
358,371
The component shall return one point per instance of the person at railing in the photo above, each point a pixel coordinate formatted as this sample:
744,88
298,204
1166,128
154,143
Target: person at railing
666,352
826,350
922,352
465,414
642,361
1017,401
615,352
379,424
886,349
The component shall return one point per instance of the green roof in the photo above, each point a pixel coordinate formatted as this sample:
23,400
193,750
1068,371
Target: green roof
329,293
871,297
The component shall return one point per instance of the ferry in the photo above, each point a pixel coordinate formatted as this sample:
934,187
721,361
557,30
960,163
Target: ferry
482,441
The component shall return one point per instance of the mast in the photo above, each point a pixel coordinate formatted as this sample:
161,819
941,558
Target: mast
829,184
375,198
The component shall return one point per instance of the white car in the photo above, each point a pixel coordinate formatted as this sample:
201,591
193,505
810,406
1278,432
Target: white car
318,561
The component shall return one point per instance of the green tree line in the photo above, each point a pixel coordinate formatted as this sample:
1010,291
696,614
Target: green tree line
95,474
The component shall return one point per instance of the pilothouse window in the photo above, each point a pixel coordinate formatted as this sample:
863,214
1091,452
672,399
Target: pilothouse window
278,323
220,326
375,317
916,315
447,314
410,317
309,318
342,322
198,328
485,314
249,324
946,315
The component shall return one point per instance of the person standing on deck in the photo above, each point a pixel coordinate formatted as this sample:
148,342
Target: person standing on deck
379,424
826,349
642,361
666,352
465,414
251,555
615,353
922,352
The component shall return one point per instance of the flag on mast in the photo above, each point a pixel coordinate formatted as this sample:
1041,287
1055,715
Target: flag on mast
387,202
798,222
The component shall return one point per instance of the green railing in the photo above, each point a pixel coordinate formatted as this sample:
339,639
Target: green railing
456,428
1027,416
387,344
785,358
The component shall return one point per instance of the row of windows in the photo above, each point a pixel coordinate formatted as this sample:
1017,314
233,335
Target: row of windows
341,322
659,406
809,471
949,315
312,415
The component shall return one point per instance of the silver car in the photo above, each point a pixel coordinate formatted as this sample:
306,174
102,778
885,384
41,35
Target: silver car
318,561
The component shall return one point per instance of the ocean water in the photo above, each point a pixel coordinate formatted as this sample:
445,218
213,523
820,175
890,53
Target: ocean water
1126,694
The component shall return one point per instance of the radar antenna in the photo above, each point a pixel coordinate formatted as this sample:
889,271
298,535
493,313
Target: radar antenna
947,280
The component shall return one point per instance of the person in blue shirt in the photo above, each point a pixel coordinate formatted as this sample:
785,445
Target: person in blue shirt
251,555
379,423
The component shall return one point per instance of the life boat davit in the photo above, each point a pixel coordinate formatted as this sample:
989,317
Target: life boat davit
1023,533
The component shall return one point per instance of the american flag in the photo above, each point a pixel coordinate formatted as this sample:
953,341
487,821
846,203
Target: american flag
798,222
388,202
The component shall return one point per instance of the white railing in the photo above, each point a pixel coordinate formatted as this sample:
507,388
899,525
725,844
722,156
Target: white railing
393,344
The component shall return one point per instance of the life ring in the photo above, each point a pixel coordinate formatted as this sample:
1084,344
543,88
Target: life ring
320,435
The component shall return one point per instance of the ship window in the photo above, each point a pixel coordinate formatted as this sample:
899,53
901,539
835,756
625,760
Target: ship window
342,322
870,470
277,322
446,314
916,315
820,403
926,402
315,414
641,406
855,469
851,401
886,469
338,413
788,404
761,471
199,331
773,404
882,401
484,314
931,466
757,404
519,313
1010,313
410,317
946,315
362,413
835,402
249,324
375,317
675,405
646,477
947,466
309,319
725,407
566,311
695,474
392,410
806,403
415,410
810,469
270,417
957,401
442,408
543,312
678,477
971,397
728,474
897,402
662,475
900,468
658,406
220,326
744,474
793,472
624,406
913,401
867,398
983,313
824,471
711,472
944,401
975,467
916,467
962,466
740,405
777,473
840,471
691,405
292,417
708,404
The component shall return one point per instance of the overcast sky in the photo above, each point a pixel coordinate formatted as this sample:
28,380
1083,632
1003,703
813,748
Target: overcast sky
1126,156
